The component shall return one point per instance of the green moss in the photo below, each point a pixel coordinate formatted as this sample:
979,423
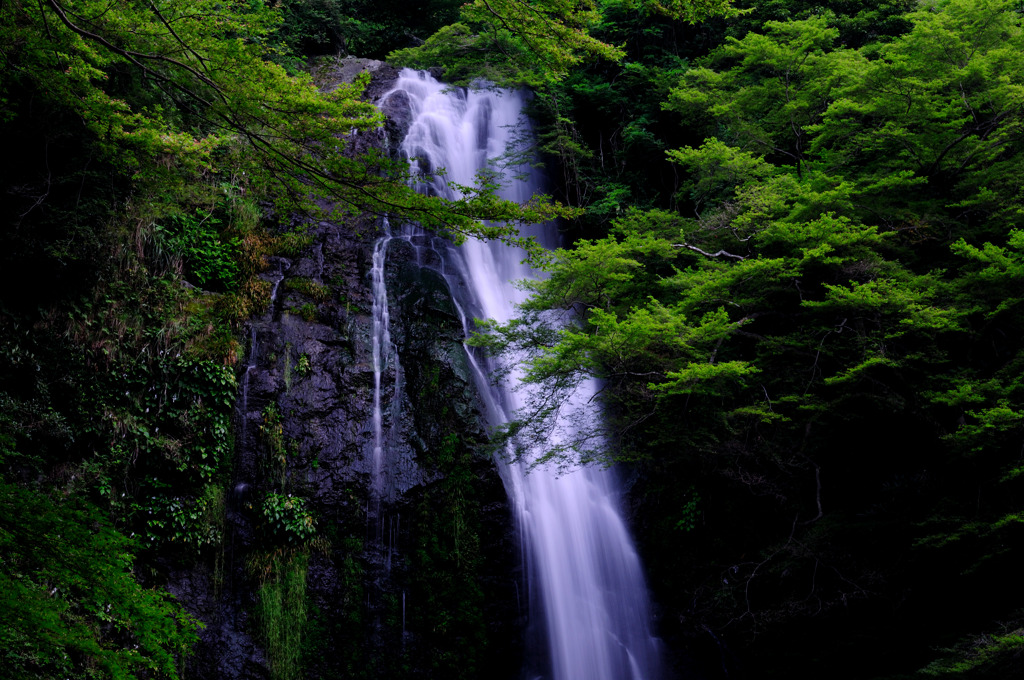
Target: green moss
308,287
307,312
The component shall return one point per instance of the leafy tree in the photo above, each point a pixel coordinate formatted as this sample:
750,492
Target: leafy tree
816,373
940,107
211,60
859,23
779,83
512,42
531,42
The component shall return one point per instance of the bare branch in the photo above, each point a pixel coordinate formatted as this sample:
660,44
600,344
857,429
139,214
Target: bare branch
720,253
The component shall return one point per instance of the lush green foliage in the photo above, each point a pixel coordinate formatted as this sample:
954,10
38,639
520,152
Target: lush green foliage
287,519
535,42
512,41
72,607
196,90
798,275
211,260
287,531
808,329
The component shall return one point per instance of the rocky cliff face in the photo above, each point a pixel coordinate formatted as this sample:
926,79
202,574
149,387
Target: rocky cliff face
414,574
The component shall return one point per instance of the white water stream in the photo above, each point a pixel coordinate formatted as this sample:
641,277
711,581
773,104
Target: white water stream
588,600
383,352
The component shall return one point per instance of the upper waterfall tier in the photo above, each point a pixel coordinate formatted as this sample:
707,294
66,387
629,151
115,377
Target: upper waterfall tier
588,599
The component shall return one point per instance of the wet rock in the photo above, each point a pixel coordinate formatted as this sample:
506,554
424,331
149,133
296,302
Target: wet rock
330,72
385,571
398,110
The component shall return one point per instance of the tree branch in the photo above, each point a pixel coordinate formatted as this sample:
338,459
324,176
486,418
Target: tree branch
720,253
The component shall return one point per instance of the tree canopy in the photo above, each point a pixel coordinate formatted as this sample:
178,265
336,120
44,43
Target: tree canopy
196,84
813,333
533,42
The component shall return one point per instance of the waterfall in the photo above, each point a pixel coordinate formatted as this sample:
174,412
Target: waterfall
382,351
385,362
588,600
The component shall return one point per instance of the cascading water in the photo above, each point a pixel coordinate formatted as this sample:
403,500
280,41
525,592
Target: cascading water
382,352
385,362
587,592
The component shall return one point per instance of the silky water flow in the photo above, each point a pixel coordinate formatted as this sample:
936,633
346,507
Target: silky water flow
589,611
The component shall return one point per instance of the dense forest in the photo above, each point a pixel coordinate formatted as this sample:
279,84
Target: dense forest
794,266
